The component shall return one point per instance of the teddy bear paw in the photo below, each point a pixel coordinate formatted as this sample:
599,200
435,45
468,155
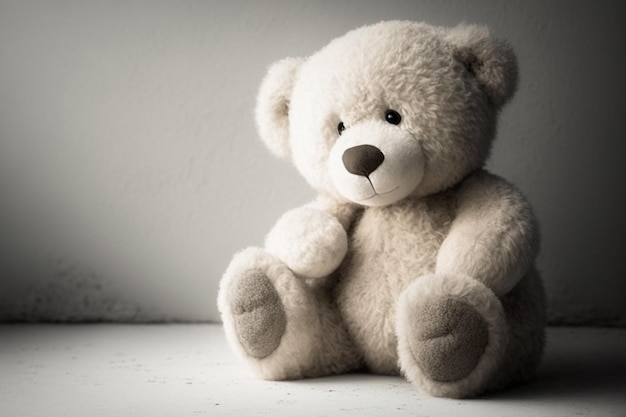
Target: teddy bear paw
251,306
452,335
311,242
258,314
449,338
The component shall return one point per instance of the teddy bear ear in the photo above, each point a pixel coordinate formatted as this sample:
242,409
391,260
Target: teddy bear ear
492,61
272,106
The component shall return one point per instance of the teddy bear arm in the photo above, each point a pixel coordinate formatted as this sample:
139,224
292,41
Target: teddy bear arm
494,237
311,240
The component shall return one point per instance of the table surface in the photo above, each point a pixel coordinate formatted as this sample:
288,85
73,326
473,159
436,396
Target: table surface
188,370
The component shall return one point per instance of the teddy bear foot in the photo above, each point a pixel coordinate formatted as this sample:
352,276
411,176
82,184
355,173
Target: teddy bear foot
452,335
277,324
258,314
449,338
252,309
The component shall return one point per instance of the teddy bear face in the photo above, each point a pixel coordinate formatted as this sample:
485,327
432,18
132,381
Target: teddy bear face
388,111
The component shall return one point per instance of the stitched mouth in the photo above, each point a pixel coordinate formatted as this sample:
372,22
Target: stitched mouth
377,194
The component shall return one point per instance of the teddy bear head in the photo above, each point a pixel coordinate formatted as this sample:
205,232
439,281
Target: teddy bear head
388,111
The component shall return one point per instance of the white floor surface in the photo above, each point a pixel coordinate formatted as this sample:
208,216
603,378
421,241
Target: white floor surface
188,370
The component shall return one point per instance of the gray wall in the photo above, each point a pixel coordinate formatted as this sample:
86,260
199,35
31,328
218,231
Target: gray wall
130,170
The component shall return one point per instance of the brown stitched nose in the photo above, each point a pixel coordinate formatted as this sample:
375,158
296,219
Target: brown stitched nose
362,160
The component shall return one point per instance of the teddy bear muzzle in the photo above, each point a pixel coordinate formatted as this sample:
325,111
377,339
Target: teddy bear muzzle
376,164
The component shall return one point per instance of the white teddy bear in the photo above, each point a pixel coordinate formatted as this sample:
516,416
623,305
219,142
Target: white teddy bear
413,260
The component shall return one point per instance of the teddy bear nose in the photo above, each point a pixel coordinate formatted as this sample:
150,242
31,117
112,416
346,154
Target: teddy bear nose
363,159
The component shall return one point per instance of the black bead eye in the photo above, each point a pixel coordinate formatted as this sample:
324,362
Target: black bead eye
393,117
340,128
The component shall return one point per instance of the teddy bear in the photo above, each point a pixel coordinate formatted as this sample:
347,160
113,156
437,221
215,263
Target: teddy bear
413,259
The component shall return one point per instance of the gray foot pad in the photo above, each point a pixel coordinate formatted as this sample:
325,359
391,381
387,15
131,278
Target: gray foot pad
448,339
259,316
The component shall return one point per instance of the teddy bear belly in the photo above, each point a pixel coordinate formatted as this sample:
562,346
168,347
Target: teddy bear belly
389,248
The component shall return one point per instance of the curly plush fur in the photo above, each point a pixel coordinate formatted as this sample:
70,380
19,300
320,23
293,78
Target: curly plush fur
413,259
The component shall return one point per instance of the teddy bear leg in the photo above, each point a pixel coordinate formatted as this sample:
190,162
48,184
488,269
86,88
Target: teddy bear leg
452,335
282,327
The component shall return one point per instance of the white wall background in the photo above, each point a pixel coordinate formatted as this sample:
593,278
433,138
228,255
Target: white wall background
130,170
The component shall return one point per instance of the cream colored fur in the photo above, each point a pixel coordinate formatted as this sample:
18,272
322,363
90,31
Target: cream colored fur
417,223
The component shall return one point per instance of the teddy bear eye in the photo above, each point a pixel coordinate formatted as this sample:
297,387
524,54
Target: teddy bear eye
340,128
393,117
